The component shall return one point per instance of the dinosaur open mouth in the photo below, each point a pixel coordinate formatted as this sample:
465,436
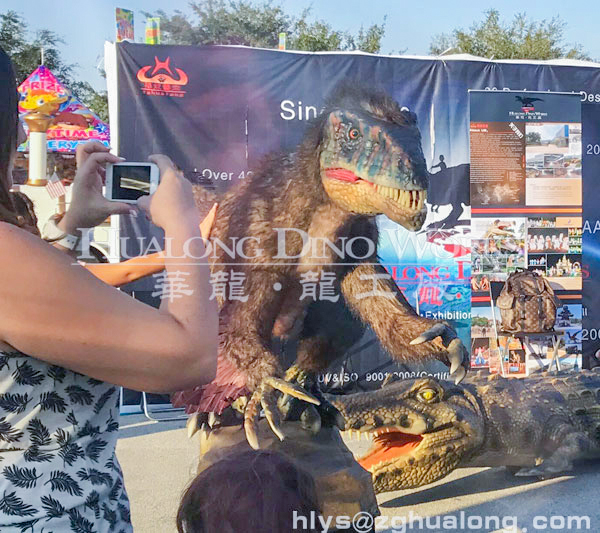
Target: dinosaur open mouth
388,444
409,199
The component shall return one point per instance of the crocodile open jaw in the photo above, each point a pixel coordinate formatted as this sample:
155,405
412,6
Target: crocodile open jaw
388,444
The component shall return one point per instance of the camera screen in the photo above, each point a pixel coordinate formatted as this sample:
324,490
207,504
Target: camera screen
129,183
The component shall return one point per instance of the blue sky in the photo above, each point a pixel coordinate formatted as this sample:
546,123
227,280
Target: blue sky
86,24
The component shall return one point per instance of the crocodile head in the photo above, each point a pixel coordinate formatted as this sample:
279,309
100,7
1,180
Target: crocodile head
421,430
371,159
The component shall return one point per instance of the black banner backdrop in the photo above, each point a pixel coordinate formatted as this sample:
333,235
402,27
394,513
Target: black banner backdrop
217,110
590,126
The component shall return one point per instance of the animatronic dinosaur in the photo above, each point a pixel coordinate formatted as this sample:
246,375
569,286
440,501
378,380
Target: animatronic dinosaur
361,157
423,429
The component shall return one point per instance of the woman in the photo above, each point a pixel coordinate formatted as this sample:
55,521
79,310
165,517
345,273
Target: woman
67,340
115,274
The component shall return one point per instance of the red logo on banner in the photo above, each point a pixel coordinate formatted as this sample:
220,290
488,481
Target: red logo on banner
162,81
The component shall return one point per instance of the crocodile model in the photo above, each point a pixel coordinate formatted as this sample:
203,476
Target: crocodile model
423,429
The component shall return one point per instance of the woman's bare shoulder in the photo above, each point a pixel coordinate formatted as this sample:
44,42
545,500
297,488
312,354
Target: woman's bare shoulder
16,244
10,231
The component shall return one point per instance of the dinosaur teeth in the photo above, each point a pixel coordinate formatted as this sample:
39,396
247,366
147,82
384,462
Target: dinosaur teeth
409,199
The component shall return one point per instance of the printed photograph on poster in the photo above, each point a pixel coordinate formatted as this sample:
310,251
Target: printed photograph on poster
568,324
498,245
497,173
548,240
505,228
515,358
554,250
517,362
553,149
568,316
553,163
481,282
569,321
480,352
482,322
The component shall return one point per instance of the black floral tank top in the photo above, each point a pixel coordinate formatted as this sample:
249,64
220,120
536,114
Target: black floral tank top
58,468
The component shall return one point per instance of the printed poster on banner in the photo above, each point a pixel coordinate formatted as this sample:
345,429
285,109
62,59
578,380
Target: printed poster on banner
526,204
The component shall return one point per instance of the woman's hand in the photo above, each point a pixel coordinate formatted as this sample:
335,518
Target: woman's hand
88,206
173,201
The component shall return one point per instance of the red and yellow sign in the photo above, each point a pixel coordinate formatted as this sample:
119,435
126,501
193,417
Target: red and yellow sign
160,80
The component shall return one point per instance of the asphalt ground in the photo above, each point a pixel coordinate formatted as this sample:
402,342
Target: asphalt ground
158,462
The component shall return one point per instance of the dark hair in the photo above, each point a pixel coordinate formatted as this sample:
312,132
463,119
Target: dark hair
9,122
249,491
25,211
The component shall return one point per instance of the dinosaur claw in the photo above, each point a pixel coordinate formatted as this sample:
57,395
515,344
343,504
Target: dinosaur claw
192,425
291,389
213,420
251,420
437,330
459,375
269,405
455,355
204,434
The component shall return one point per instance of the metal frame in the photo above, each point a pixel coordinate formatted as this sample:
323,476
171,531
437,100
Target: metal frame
148,413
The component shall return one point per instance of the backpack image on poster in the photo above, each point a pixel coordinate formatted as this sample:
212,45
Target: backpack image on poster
527,303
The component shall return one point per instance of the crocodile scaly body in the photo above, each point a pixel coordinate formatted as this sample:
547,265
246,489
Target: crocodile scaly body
424,429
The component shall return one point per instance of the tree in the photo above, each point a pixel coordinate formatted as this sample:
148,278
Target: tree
96,101
533,137
243,22
26,56
521,38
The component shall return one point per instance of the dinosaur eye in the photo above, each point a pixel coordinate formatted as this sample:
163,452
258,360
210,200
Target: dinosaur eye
427,395
353,134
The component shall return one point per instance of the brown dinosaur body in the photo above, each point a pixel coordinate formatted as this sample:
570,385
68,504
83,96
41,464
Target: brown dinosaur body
306,217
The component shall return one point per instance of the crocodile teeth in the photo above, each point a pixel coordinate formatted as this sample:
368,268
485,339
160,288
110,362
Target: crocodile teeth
409,199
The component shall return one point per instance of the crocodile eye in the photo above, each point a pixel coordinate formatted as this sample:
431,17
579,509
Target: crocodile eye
427,395
353,134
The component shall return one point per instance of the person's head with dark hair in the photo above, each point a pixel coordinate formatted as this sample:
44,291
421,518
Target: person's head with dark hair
249,491
26,216
10,137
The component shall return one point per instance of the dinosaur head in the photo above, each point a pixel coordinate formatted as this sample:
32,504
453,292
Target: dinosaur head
371,158
420,430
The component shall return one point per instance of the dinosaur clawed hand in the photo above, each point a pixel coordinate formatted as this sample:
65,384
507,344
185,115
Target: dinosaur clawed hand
311,418
457,354
265,396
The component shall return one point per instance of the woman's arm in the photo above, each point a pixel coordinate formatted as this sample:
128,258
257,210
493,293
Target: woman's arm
60,313
117,274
